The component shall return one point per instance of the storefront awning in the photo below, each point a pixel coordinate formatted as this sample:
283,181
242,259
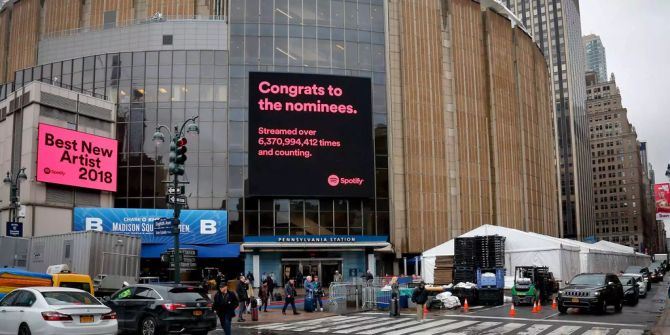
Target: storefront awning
252,245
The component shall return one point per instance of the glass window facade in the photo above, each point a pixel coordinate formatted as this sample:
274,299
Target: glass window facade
166,87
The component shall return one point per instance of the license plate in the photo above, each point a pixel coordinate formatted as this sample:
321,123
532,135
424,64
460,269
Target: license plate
86,319
575,299
197,313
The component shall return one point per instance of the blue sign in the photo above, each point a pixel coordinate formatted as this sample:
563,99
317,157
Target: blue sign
316,239
203,230
163,226
15,229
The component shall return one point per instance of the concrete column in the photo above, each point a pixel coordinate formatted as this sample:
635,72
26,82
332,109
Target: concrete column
372,264
256,270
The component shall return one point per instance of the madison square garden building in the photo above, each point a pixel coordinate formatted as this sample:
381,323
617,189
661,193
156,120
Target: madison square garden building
334,134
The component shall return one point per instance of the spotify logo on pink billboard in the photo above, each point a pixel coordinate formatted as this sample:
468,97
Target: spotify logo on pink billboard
73,158
310,135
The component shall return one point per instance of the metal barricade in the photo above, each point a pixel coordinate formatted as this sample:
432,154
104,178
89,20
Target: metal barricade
359,295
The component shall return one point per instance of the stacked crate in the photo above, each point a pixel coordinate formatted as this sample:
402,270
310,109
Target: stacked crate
444,270
490,251
465,261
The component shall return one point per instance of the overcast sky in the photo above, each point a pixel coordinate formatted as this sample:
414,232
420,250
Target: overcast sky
636,36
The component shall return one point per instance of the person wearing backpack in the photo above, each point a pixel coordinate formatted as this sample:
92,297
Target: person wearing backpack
420,297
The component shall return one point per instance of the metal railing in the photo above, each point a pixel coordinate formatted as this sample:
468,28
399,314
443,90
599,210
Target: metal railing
132,22
360,295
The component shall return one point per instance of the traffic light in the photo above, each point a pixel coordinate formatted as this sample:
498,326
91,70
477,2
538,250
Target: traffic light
180,158
173,157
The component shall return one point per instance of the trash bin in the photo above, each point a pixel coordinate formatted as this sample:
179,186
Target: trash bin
404,301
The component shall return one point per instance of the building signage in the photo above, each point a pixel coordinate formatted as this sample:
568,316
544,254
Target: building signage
316,130
73,158
197,226
14,229
662,195
316,239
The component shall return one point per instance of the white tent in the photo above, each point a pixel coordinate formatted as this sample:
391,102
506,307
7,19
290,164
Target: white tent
565,258
521,248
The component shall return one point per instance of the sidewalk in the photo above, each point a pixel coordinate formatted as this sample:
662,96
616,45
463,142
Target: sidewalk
662,326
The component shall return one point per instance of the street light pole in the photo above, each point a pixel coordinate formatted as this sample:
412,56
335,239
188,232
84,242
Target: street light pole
176,168
13,181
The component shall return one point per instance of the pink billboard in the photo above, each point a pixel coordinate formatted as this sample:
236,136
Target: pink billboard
73,158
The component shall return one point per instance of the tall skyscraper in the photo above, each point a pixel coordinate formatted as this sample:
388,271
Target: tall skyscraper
596,59
618,171
555,25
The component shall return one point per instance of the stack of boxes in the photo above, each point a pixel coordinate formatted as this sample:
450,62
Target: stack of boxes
444,270
481,260
465,260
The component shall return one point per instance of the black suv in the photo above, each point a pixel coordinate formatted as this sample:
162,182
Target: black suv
161,309
593,292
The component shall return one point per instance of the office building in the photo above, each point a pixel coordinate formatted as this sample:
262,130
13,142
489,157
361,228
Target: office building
556,28
596,58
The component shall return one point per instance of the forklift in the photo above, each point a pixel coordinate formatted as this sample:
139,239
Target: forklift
532,283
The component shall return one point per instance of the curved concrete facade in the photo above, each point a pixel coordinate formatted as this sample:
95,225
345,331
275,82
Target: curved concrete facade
461,105
471,124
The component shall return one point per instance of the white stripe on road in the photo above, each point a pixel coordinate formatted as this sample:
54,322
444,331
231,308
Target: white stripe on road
357,329
543,320
452,326
422,326
535,329
597,331
389,328
506,328
630,332
565,330
338,325
476,329
304,322
319,324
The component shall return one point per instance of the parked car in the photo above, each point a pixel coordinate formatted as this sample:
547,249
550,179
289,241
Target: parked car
593,292
55,310
643,270
161,308
641,281
631,289
657,272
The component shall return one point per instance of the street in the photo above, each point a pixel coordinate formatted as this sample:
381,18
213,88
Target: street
632,320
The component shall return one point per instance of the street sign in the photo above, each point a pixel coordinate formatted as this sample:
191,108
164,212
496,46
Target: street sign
188,258
162,227
175,199
173,190
14,229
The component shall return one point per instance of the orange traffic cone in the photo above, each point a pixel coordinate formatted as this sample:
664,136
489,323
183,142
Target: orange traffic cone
466,307
535,307
554,305
512,311
425,310
539,303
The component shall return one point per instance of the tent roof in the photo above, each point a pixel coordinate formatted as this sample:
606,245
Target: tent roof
518,241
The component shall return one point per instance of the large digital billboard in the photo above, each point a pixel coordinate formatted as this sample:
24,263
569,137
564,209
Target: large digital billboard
73,158
662,195
310,135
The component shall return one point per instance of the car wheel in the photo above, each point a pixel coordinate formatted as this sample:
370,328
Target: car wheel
562,309
24,330
148,326
619,306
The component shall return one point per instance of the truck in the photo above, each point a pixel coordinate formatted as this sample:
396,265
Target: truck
111,260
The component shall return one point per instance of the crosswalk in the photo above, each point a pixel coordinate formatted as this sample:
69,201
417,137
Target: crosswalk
366,324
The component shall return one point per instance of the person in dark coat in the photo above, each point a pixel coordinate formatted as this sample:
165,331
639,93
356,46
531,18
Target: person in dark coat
318,292
395,297
264,294
289,291
224,306
243,296
271,286
250,278
420,297
299,279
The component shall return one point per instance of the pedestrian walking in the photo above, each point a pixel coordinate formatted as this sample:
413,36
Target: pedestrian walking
250,278
224,306
394,309
420,297
264,294
289,291
243,296
318,292
271,286
337,277
299,278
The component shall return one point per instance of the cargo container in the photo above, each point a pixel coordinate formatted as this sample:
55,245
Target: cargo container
13,252
110,259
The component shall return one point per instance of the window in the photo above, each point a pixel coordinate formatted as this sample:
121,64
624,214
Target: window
145,293
109,18
123,294
167,39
